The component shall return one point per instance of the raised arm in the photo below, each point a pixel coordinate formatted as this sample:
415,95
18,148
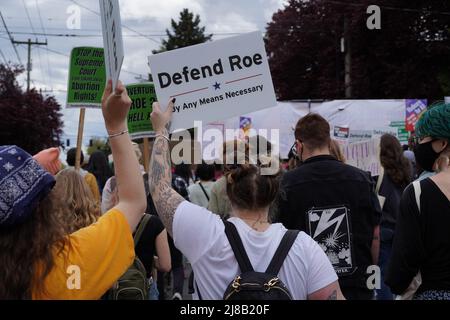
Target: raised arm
163,264
165,198
132,199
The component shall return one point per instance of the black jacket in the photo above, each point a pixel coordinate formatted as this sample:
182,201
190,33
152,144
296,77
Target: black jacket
337,206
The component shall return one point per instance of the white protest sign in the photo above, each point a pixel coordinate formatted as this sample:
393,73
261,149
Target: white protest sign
112,38
364,155
215,80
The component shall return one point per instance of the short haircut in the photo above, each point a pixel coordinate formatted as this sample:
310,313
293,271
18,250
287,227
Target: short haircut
314,131
71,155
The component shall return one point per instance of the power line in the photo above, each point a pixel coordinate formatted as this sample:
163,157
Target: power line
3,56
49,73
39,53
123,25
54,51
28,15
29,43
68,35
68,56
390,8
84,35
11,39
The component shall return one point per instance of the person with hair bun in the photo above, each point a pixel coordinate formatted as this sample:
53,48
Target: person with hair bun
200,234
218,199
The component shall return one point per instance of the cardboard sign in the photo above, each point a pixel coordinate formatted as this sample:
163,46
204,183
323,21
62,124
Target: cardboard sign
112,38
214,81
414,110
86,78
142,96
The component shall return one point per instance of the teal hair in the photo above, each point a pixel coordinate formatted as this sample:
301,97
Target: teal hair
435,122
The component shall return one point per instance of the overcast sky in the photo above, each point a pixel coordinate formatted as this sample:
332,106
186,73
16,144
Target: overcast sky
148,17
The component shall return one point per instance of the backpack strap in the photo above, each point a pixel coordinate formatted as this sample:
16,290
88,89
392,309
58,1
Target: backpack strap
204,191
140,230
238,247
198,291
283,249
379,181
417,192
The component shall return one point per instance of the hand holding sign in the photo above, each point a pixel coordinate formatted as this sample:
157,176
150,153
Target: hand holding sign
161,119
115,107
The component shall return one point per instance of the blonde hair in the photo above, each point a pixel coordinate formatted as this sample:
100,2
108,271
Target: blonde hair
81,208
336,151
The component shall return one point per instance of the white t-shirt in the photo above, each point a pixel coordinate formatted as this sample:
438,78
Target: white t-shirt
200,236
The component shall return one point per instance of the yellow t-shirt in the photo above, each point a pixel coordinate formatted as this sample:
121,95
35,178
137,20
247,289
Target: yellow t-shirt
92,183
101,252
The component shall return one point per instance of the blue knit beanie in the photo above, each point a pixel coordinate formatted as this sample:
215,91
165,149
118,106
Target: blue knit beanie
23,183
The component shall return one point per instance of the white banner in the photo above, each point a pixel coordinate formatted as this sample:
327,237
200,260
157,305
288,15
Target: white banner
215,80
364,155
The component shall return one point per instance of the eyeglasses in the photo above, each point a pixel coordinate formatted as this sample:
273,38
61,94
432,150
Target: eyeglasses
294,150
416,140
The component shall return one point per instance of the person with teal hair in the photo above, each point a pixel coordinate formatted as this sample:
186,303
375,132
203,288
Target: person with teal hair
434,124
421,250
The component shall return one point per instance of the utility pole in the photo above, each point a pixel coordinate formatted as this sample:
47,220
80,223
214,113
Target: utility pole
29,43
348,59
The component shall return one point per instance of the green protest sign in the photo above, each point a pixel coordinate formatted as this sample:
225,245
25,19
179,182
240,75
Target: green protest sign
87,78
402,133
142,96
397,124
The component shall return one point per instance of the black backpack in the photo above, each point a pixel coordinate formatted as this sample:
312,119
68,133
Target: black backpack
133,284
252,285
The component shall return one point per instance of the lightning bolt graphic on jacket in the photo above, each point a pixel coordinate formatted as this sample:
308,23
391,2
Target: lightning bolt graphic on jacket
325,222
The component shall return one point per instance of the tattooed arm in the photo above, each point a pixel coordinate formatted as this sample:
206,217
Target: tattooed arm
165,198
330,292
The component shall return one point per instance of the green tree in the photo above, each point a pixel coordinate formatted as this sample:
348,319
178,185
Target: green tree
98,144
408,57
185,32
27,119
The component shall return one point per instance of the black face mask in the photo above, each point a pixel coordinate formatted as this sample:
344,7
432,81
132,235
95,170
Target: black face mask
425,155
300,156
